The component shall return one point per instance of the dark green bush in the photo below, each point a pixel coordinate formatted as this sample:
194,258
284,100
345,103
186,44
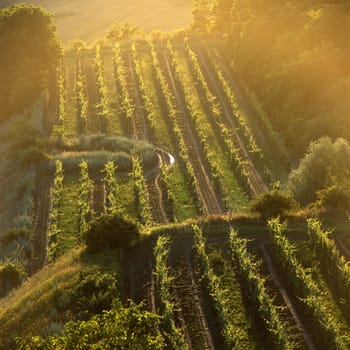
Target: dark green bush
110,232
91,293
120,328
12,274
333,197
273,203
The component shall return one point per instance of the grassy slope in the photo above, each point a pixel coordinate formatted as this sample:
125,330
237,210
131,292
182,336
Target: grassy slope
89,20
31,309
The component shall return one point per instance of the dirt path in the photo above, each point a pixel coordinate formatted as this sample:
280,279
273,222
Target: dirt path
273,273
207,337
190,311
255,180
212,204
155,192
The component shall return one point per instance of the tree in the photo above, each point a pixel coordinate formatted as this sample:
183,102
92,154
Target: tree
333,197
110,232
326,163
201,16
30,48
223,15
273,203
120,31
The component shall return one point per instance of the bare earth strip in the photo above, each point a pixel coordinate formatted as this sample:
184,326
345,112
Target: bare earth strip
89,20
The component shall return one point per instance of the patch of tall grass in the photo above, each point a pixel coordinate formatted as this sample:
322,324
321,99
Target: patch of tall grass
99,149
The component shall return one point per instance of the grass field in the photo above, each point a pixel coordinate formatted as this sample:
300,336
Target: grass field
90,20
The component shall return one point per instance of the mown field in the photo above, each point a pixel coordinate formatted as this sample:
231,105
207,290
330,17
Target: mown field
91,20
192,153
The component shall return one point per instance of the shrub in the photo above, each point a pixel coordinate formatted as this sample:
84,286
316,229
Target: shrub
273,203
111,231
91,293
120,328
333,197
12,274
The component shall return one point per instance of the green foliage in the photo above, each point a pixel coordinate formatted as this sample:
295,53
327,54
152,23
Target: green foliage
231,144
329,329
176,131
91,292
82,99
12,274
126,106
325,163
149,108
333,197
284,70
141,192
112,205
120,328
104,108
54,234
25,143
120,31
332,263
29,48
110,232
175,338
15,245
273,203
59,128
234,330
258,293
85,187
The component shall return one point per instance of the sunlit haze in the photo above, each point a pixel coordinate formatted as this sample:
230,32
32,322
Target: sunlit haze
88,20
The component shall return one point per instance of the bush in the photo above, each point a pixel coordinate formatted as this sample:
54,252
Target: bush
91,293
333,197
120,328
12,274
110,232
273,203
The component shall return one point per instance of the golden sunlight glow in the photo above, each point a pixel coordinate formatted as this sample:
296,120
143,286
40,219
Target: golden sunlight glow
89,20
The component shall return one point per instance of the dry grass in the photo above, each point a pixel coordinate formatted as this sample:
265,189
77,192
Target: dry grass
89,20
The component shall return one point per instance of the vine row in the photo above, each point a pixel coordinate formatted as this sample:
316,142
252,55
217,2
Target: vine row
104,110
330,331
176,131
257,292
53,250
164,282
234,333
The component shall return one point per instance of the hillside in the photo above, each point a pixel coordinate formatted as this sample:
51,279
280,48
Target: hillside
91,20
151,201
208,294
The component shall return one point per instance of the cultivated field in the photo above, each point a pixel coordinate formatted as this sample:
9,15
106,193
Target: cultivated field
188,148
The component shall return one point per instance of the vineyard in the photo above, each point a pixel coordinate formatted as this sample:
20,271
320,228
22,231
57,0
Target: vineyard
156,131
